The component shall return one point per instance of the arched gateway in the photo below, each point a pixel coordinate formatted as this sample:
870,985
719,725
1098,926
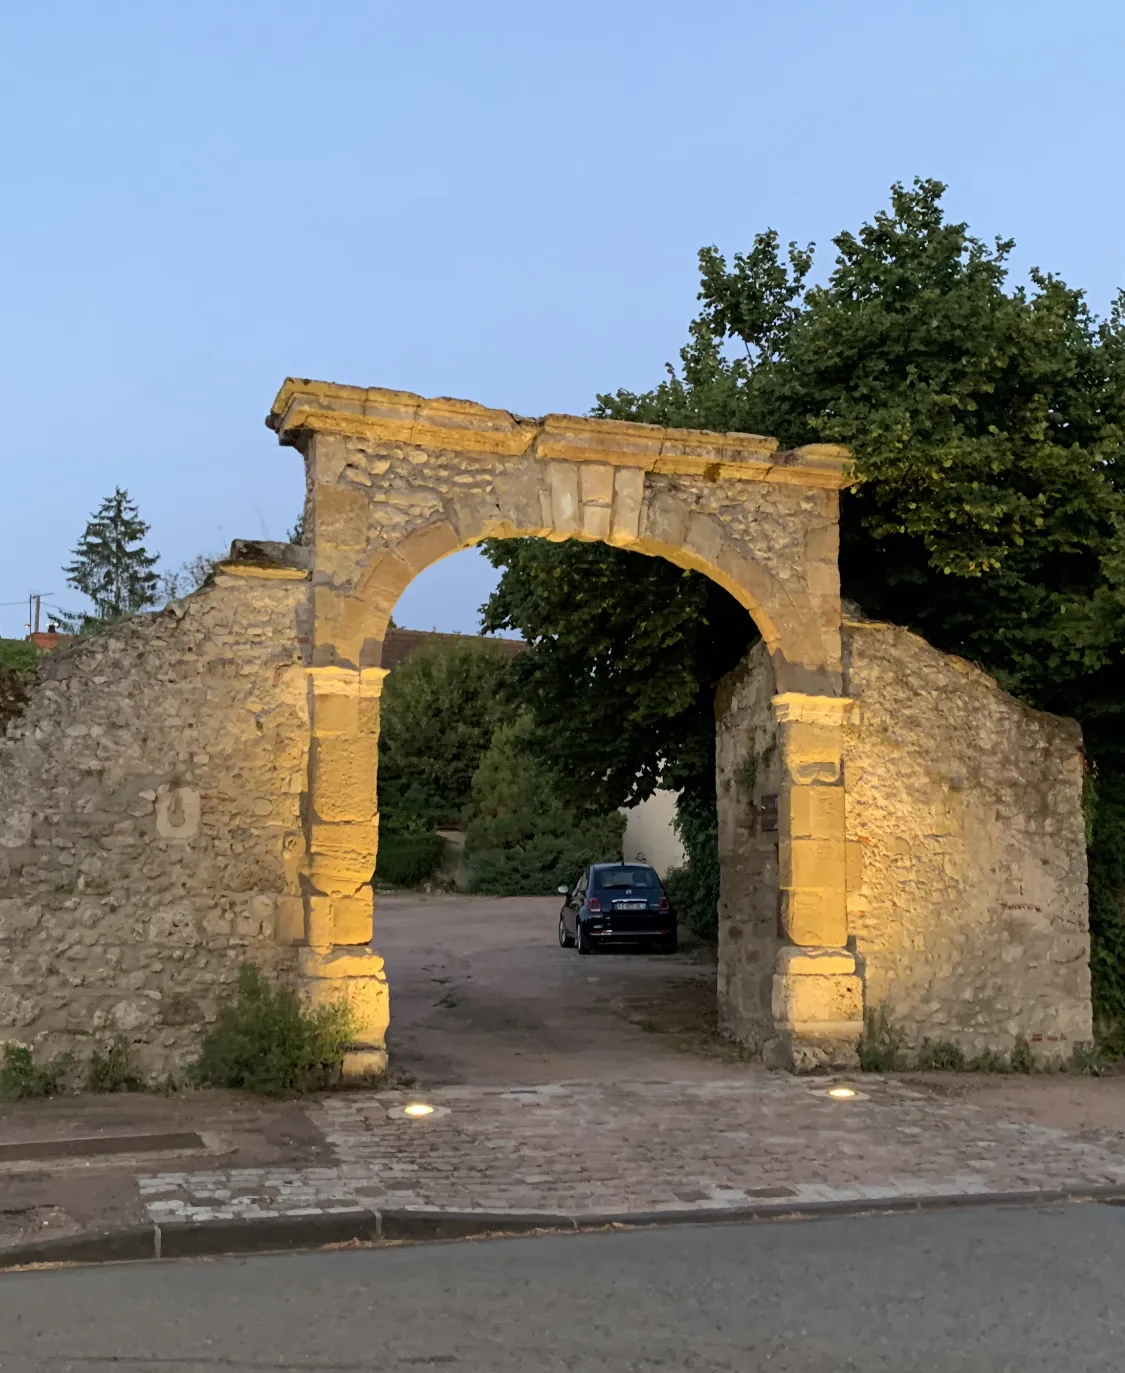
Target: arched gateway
195,789
395,482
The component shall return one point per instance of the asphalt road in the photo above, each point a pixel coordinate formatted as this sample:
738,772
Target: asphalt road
974,1291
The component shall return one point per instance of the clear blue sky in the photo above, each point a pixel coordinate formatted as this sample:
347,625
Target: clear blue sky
496,201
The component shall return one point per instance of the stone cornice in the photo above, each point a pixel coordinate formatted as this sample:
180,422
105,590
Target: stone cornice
274,573
372,413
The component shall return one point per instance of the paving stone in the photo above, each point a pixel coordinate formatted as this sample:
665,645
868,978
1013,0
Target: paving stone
572,1148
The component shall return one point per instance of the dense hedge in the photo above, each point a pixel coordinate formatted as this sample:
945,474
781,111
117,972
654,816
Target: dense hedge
408,860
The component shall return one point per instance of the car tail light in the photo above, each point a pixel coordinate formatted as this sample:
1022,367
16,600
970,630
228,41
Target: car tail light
663,903
594,906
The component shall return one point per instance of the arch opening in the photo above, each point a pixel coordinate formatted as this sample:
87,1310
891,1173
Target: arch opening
502,810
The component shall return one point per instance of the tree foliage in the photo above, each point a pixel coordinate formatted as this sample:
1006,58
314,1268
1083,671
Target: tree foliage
988,423
522,838
626,651
439,711
111,564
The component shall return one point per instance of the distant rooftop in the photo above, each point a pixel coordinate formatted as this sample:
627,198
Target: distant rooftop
399,644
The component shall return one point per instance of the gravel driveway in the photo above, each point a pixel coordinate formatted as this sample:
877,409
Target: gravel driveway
481,993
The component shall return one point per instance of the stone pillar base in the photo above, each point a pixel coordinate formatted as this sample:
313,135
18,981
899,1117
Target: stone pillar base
355,975
361,1064
817,1010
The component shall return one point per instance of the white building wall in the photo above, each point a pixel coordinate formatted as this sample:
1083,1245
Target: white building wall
649,832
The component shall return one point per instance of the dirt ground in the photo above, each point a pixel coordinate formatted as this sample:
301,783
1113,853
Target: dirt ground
482,994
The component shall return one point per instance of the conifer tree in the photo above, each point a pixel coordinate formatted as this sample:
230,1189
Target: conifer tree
111,564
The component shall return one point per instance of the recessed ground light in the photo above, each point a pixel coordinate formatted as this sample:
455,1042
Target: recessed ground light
842,1093
418,1108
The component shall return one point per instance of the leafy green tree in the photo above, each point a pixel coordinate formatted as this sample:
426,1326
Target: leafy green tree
988,424
521,837
439,711
111,564
626,652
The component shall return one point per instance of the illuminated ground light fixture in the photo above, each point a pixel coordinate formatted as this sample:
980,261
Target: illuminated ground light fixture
417,1109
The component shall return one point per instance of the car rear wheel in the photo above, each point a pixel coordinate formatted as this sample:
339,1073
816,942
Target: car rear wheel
583,938
668,944
566,941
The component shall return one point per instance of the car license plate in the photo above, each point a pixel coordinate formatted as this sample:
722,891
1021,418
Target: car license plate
630,905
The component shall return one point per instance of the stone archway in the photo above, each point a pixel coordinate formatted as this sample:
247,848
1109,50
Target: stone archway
195,789
395,482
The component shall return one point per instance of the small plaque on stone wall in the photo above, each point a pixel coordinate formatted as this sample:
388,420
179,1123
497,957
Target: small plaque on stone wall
767,813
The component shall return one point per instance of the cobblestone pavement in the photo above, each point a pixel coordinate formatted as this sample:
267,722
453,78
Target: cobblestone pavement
574,1148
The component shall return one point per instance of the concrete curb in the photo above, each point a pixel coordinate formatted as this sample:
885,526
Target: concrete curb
279,1234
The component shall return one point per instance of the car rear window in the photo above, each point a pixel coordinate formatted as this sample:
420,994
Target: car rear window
609,879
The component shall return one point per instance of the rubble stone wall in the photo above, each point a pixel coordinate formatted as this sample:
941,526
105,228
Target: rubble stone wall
967,884
150,821
966,852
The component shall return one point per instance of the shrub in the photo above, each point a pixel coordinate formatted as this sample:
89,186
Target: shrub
989,1061
1088,1060
694,888
520,838
21,1076
268,1041
18,654
14,683
112,1069
693,892
408,860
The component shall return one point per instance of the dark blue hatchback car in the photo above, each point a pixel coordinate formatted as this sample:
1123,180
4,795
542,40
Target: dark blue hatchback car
617,903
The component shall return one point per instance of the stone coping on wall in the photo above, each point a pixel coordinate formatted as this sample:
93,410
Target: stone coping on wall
304,407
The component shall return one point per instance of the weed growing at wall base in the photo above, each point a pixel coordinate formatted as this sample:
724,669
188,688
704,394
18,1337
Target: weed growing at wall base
112,1069
21,1076
882,1050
